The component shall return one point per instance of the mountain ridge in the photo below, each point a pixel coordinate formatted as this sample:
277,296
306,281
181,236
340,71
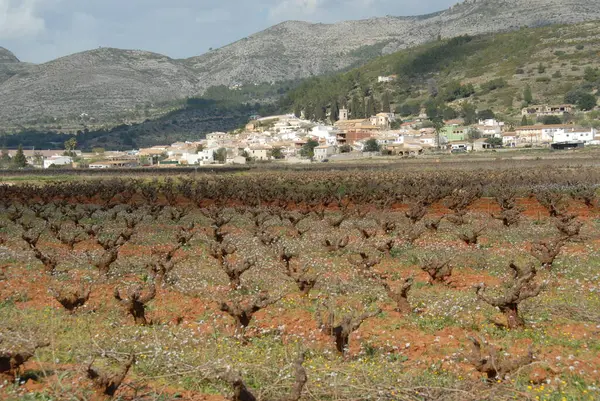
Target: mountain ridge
113,86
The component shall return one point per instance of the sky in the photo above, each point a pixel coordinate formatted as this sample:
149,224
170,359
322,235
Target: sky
41,30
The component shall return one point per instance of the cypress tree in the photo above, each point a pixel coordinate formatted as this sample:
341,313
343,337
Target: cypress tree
355,108
319,113
386,103
334,111
370,109
527,95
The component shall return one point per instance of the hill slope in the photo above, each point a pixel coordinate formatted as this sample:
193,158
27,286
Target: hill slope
7,57
112,86
298,49
492,71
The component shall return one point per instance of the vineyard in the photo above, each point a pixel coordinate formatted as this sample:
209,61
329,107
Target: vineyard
303,285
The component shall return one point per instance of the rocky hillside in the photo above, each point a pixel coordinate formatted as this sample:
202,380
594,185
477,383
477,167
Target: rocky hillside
114,86
298,49
558,63
7,57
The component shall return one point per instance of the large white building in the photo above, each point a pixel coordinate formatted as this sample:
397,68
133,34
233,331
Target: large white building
57,161
573,135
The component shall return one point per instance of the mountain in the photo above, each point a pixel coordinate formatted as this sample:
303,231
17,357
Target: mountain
559,63
112,86
7,57
9,65
296,49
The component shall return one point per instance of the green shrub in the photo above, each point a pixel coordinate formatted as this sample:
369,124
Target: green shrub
494,84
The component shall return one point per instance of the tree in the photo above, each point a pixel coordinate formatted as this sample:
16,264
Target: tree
473,134
199,148
524,121
345,148
308,150
432,87
298,111
385,103
551,120
586,102
356,108
4,158
319,113
19,161
495,142
220,155
334,111
371,145
591,74
38,159
370,107
527,95
408,109
468,113
277,153
486,114
449,113
70,146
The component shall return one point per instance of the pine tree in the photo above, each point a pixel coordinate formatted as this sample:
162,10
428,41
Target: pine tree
19,161
386,103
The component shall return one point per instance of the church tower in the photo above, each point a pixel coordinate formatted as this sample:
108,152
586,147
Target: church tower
343,115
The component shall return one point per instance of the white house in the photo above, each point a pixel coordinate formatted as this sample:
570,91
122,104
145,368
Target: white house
322,152
206,156
389,78
571,135
427,140
509,139
325,133
57,161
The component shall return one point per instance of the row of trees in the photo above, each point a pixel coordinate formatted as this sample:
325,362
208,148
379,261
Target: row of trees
358,107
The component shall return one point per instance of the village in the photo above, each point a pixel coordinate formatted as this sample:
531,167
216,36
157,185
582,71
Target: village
295,140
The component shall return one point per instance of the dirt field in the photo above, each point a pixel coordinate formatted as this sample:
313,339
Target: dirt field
231,290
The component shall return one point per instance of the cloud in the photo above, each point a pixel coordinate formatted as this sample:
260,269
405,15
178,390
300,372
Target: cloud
294,8
18,19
